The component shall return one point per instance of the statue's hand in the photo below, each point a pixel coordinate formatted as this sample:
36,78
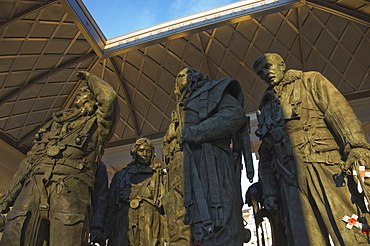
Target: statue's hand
97,236
4,207
271,204
186,135
361,156
83,75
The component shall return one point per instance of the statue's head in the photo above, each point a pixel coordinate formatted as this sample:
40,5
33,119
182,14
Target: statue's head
270,67
85,100
143,151
188,76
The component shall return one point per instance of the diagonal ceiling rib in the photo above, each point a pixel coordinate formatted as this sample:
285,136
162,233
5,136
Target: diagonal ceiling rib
46,75
301,47
27,12
126,96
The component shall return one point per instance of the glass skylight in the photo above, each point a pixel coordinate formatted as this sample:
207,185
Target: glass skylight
118,17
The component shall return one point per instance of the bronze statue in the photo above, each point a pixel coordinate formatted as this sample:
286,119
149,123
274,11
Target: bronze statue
178,234
134,210
51,192
312,142
208,116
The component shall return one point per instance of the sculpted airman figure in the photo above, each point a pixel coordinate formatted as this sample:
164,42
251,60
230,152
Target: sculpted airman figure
206,181
312,148
51,192
179,234
134,213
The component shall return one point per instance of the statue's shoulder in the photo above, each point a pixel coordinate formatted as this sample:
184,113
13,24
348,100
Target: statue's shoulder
121,173
211,93
231,86
313,80
216,87
292,75
224,83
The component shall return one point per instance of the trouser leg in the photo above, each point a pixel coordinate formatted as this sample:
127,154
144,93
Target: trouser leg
300,219
70,210
14,232
179,233
318,212
333,203
23,220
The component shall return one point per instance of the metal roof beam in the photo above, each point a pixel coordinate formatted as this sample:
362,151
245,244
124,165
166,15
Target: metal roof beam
357,95
86,24
340,11
228,14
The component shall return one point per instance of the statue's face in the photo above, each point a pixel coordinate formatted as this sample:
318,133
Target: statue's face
82,97
271,70
182,79
144,154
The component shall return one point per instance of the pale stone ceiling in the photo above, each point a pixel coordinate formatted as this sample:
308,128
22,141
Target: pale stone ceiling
42,45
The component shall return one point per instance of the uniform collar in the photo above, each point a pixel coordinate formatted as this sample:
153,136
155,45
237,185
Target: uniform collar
289,77
135,168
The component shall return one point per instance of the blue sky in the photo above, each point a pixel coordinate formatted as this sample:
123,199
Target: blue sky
118,17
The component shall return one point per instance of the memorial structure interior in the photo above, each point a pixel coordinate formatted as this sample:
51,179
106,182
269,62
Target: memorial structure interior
43,43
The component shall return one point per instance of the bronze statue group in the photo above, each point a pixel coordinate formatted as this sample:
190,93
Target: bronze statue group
311,186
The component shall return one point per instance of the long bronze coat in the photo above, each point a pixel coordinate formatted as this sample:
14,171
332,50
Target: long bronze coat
213,114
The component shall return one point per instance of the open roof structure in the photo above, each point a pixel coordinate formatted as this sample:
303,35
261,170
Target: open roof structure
43,43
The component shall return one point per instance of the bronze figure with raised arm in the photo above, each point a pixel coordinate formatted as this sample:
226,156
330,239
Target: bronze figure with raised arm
51,192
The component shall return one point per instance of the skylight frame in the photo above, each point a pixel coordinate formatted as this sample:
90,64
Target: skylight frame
227,14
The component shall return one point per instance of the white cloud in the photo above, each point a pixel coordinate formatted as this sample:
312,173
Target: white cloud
146,18
181,8
117,17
